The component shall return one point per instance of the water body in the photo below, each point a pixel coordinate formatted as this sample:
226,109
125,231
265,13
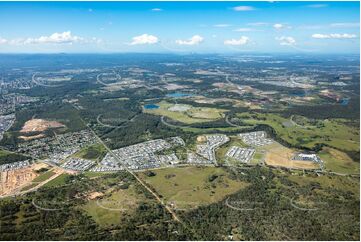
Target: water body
344,101
179,94
151,106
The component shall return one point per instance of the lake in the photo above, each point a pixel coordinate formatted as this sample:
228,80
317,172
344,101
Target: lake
151,106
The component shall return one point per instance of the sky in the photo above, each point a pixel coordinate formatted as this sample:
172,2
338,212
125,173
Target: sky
197,27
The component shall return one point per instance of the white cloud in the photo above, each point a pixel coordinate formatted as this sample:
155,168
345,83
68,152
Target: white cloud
244,8
279,26
242,41
345,25
286,40
221,25
195,40
244,30
258,24
3,41
55,38
157,9
317,5
334,36
144,39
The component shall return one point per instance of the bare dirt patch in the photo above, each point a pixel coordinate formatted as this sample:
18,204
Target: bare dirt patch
38,136
280,156
40,125
12,181
94,195
201,139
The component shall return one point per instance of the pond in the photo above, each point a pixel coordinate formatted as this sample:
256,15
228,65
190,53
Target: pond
151,106
179,94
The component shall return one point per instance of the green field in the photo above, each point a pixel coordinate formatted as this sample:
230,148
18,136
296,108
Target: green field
190,187
109,209
334,132
338,161
29,186
45,176
94,152
58,181
189,116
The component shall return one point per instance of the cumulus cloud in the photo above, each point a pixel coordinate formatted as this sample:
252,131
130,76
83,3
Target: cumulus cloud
3,41
144,39
243,8
157,9
286,40
279,26
242,41
55,38
195,40
334,36
221,25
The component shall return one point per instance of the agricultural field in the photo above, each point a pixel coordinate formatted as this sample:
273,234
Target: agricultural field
191,187
186,113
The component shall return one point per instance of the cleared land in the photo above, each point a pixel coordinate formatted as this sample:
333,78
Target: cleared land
190,187
187,113
278,155
39,125
13,180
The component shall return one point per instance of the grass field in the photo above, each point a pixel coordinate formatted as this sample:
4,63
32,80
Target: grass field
94,152
335,132
29,186
189,187
59,181
189,116
109,209
44,176
338,161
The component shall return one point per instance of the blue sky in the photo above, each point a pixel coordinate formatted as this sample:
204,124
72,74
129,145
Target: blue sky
204,27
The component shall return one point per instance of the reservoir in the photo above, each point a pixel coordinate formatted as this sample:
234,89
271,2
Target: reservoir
151,106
